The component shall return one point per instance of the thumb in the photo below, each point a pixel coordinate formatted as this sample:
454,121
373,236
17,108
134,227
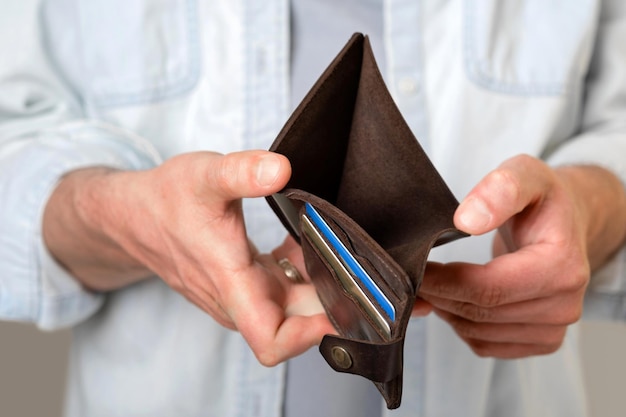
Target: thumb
505,192
247,174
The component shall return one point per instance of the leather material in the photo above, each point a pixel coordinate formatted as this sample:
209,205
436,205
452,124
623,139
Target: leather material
356,161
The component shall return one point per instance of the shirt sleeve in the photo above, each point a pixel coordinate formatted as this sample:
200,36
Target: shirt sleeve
32,286
44,134
602,141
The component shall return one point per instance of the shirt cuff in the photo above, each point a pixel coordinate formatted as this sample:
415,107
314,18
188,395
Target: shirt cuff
606,149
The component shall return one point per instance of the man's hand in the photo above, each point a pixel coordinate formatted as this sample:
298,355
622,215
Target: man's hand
554,227
183,221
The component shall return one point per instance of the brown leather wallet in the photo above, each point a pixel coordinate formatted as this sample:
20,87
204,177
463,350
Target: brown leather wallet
356,164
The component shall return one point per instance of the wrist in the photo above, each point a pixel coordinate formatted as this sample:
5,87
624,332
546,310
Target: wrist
77,230
600,199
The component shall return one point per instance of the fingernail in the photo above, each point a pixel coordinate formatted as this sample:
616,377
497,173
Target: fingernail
421,308
475,215
268,169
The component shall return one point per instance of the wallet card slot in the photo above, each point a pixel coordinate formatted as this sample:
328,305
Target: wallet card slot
343,310
387,274
346,279
350,263
382,270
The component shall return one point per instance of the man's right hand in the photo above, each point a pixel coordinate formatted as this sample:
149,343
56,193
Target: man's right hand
183,221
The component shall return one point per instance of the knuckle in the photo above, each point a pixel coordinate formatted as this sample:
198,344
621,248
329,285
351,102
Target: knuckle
504,183
466,329
491,296
579,277
525,159
474,313
226,174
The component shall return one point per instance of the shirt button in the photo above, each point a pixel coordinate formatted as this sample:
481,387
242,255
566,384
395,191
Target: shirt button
407,86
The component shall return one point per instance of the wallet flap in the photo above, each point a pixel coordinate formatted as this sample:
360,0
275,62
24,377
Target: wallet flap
315,137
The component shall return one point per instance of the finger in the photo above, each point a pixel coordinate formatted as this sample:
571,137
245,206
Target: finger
294,336
510,341
499,246
554,311
532,272
211,307
421,308
487,285
302,300
291,251
245,174
275,337
523,333
259,307
508,350
503,193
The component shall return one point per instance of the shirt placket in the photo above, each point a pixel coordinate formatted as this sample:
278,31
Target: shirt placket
266,65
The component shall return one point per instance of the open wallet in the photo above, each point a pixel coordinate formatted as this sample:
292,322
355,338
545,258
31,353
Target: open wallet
366,205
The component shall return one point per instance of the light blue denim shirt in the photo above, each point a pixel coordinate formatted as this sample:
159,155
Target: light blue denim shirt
128,84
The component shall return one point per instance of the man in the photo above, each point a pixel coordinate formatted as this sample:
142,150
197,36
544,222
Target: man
96,95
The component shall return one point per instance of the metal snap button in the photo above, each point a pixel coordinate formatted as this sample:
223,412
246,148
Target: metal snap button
341,357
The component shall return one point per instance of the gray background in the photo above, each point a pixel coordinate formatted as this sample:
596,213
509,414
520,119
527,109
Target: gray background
32,370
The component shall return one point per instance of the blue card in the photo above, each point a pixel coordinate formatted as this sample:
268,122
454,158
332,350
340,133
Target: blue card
351,263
